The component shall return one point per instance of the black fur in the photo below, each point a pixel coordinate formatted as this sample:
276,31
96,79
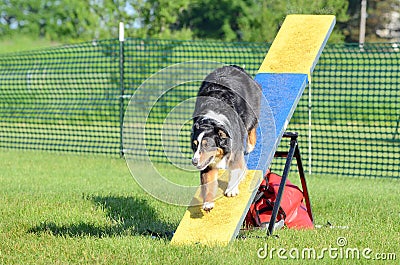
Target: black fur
232,93
226,113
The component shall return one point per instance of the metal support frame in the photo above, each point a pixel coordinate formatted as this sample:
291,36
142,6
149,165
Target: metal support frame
294,151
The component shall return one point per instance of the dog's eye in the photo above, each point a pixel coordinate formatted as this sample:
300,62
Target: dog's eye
195,142
204,143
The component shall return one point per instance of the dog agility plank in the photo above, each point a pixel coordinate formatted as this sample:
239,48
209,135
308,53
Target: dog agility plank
221,224
298,44
283,92
283,76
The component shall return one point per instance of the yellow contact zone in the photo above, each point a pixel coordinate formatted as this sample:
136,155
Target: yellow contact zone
221,225
298,44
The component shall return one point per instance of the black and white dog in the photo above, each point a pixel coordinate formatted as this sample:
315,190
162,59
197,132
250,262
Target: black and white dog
226,113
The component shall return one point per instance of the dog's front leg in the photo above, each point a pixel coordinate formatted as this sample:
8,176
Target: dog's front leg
237,172
209,187
251,140
236,176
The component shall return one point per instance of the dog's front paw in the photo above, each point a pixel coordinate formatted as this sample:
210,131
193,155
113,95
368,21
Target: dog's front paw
208,206
232,192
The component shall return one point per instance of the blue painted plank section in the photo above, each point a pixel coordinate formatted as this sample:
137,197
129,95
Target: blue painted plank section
282,93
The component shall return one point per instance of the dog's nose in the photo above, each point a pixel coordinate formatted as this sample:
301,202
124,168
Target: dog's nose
195,161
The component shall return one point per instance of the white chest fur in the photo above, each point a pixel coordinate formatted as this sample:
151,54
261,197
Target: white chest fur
222,164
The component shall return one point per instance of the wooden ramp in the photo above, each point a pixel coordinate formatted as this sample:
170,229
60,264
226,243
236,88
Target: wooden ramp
220,225
283,75
298,44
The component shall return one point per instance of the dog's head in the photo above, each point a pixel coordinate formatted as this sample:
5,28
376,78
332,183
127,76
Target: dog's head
210,143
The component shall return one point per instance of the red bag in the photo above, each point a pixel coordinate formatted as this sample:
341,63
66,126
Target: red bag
292,211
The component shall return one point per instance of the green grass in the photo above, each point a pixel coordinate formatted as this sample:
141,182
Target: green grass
23,43
87,209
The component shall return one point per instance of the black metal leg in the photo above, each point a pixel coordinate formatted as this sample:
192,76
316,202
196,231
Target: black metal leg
303,183
294,151
277,204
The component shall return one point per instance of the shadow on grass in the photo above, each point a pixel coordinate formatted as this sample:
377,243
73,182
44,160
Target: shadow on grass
130,216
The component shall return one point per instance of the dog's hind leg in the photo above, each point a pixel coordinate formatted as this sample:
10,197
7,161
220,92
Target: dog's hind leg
251,140
237,173
209,187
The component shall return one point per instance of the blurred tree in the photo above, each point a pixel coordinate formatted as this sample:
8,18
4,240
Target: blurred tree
110,12
159,19
378,19
51,19
230,20
62,19
269,15
254,20
223,20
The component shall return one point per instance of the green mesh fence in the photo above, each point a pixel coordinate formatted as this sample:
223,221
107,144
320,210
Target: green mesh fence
73,98
62,99
356,111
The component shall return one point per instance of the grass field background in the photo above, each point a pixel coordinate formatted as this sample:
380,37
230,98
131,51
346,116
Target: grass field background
23,43
69,209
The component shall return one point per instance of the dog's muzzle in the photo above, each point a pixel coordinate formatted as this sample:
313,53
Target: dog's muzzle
195,161
201,166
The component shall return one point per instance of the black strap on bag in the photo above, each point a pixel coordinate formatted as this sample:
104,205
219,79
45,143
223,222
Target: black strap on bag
265,194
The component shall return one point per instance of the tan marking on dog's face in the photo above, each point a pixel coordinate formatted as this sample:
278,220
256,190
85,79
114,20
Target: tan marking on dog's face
219,155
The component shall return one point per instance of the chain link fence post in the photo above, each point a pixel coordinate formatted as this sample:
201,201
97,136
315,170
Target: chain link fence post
121,84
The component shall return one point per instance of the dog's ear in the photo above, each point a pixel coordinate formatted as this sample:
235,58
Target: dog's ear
223,140
222,134
195,126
